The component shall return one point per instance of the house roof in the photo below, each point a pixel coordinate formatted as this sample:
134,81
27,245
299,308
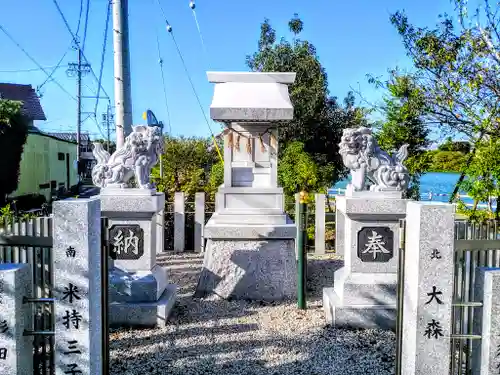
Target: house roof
32,108
71,137
35,131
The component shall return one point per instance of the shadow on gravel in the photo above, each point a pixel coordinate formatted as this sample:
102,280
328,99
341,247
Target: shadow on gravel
328,351
320,274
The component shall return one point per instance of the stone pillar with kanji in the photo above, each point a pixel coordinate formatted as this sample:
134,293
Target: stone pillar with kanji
139,288
363,294
250,239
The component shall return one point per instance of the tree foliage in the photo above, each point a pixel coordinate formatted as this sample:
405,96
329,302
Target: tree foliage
297,171
458,146
318,117
458,66
483,178
457,71
187,166
13,135
446,161
403,110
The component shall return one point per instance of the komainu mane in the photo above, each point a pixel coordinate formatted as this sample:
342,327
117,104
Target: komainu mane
362,155
140,153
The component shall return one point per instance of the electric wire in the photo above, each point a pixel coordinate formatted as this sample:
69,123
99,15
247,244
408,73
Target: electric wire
160,61
27,70
87,8
77,44
79,18
169,29
34,61
192,6
54,70
103,53
196,94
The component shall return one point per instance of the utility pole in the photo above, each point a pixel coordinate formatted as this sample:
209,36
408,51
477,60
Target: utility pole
78,69
107,119
123,96
79,104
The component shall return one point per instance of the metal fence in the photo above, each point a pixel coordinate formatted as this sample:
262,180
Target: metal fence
31,242
476,245
183,232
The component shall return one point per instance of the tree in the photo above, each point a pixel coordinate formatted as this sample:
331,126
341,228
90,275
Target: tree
483,179
458,146
318,117
457,70
297,171
13,135
187,163
446,161
403,110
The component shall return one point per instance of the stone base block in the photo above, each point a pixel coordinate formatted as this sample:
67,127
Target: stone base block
369,316
256,269
140,286
366,288
143,314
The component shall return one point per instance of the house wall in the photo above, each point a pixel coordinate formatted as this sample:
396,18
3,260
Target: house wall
41,168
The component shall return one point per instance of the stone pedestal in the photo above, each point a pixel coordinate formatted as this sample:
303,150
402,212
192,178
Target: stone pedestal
250,251
364,291
139,292
16,350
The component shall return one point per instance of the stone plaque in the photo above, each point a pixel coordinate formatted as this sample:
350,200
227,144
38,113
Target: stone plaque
126,242
375,244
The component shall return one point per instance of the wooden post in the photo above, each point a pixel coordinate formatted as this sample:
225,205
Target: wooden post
319,224
179,222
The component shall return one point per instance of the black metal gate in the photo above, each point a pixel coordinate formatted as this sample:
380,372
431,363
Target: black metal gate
476,245
31,242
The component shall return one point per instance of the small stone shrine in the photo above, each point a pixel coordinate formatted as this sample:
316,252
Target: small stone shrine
250,249
364,291
139,291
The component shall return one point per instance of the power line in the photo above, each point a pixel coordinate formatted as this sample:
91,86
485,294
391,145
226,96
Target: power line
34,61
103,53
77,44
86,24
27,70
160,61
79,17
54,70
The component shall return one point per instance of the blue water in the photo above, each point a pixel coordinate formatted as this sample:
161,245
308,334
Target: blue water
440,184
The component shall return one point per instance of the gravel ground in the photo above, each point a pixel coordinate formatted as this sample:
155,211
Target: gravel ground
210,336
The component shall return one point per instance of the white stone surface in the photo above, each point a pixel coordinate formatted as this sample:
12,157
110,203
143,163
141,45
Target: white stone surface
136,158
179,222
249,269
199,222
78,286
251,96
123,209
428,288
486,352
367,161
364,293
16,350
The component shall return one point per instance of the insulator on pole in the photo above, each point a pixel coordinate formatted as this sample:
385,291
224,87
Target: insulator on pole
192,5
169,28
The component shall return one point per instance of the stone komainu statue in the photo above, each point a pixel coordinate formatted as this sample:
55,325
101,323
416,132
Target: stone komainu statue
362,155
139,154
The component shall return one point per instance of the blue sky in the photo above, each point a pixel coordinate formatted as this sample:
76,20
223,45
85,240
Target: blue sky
352,38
